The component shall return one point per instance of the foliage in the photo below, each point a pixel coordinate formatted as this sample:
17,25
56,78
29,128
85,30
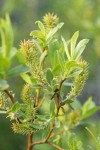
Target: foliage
48,63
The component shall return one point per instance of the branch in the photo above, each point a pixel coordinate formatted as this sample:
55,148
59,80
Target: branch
55,146
37,142
12,100
50,143
61,83
37,97
59,133
30,141
50,132
10,95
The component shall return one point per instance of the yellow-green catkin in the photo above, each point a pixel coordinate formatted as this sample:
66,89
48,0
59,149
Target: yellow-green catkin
50,21
32,59
26,94
79,81
22,128
4,101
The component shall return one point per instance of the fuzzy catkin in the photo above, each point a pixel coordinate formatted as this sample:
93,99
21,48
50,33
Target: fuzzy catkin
79,82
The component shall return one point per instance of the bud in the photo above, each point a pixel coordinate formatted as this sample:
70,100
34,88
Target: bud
50,20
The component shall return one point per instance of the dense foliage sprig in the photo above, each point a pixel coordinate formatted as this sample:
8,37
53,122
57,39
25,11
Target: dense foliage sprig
49,65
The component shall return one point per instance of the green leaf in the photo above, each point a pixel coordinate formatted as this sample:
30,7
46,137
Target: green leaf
89,108
66,48
68,101
72,69
4,64
36,86
75,73
15,108
26,78
80,48
71,64
52,53
61,60
20,57
42,57
37,126
38,34
6,36
17,70
3,84
73,43
53,31
57,70
41,26
49,76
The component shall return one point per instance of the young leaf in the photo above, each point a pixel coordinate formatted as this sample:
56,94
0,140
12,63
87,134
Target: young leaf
73,43
26,78
89,108
36,86
61,60
4,64
80,48
38,34
53,31
57,70
68,101
49,76
75,73
37,126
44,54
20,57
17,70
66,48
6,36
70,65
15,108
41,26
52,53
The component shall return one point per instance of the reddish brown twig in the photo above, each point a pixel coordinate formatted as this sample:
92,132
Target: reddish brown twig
37,97
10,95
55,146
30,141
50,143
50,132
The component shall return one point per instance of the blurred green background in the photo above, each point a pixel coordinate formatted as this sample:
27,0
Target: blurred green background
82,15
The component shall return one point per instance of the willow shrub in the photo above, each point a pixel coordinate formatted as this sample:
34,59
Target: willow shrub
54,73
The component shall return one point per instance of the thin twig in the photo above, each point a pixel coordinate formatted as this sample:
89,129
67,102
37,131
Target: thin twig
37,97
55,146
50,132
10,95
61,83
59,133
37,143
57,94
